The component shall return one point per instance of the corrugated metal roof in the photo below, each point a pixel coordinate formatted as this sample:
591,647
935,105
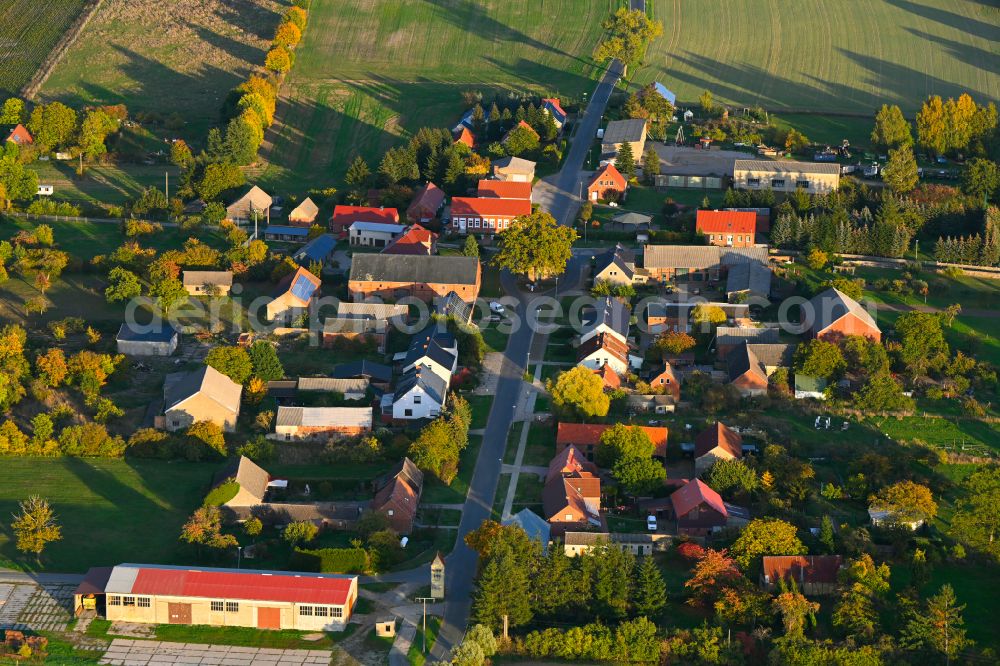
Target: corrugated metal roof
219,278
700,256
243,585
620,131
282,230
371,310
333,385
786,167
378,227
317,417
414,269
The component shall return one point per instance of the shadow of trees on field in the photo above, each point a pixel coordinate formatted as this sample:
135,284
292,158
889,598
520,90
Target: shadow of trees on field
249,17
961,23
971,55
470,15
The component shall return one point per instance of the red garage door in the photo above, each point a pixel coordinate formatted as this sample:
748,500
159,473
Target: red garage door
179,613
269,618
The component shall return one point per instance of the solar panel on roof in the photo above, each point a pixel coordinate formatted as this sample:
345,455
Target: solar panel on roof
303,288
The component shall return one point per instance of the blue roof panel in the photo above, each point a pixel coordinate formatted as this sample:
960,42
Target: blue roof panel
666,94
303,288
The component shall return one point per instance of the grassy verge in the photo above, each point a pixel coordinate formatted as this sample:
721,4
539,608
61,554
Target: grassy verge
481,405
436,492
416,654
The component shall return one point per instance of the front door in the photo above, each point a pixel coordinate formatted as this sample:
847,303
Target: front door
179,613
269,618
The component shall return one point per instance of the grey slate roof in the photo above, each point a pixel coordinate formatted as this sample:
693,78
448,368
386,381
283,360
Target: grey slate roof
217,278
179,386
434,385
786,167
750,277
534,526
515,164
356,326
774,355
129,332
432,350
618,256
371,310
369,369
251,476
632,218
734,335
610,312
833,304
742,360
620,131
700,256
414,268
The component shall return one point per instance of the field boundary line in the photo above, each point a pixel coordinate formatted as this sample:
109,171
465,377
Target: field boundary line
31,88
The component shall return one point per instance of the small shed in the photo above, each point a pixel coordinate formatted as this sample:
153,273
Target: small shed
158,339
385,627
304,214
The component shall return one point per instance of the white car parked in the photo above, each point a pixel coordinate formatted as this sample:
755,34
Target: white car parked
497,307
651,523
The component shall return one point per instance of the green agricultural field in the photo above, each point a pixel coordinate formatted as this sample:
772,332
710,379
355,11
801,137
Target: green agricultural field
103,184
107,508
368,74
825,55
182,56
29,29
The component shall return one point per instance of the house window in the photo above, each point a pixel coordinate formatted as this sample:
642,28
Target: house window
217,606
416,399
142,602
128,601
322,611
389,513
407,412
753,181
306,611
336,611
114,600
804,184
232,607
569,516
777,182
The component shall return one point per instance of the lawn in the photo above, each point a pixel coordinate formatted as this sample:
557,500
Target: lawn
541,445
106,509
436,492
183,56
817,55
481,405
285,639
103,184
366,76
958,435
418,648
28,32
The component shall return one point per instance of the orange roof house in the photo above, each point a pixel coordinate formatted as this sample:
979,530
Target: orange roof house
604,349
814,574
485,215
465,136
416,240
698,509
18,134
572,493
586,437
609,377
727,228
504,189
606,183
344,216
397,495
426,204
719,442
666,380
525,126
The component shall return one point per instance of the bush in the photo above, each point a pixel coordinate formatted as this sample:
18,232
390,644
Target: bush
90,440
222,493
330,560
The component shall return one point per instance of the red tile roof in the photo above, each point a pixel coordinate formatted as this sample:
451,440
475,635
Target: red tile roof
609,376
609,172
692,494
554,102
487,207
417,240
584,434
802,568
570,461
465,136
504,189
607,342
223,584
19,134
429,197
520,124
726,222
345,216
718,436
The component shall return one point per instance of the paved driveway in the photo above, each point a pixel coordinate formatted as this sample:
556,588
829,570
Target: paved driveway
140,653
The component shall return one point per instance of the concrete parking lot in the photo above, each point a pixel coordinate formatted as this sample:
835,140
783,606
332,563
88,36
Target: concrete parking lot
695,162
142,653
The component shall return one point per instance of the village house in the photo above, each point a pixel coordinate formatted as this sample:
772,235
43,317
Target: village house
252,479
698,509
207,283
572,494
746,372
833,315
352,388
650,403
344,216
812,574
374,234
486,215
728,338
609,378
746,281
420,394
727,228
293,296
578,543
551,106
375,331
697,263
503,189
608,184
435,350
18,134
533,525
587,436
157,339
397,495
610,315
520,125
320,423
425,278
162,594
417,240
663,315
253,206
286,233
304,214
719,442
464,135
318,250
618,132
604,349
514,168
200,395
426,204
786,176
616,266
667,382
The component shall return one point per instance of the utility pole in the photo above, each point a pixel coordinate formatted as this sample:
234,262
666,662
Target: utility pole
424,600
505,637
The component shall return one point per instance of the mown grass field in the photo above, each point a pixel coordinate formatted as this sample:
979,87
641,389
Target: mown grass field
370,73
103,184
29,29
826,55
182,56
110,510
